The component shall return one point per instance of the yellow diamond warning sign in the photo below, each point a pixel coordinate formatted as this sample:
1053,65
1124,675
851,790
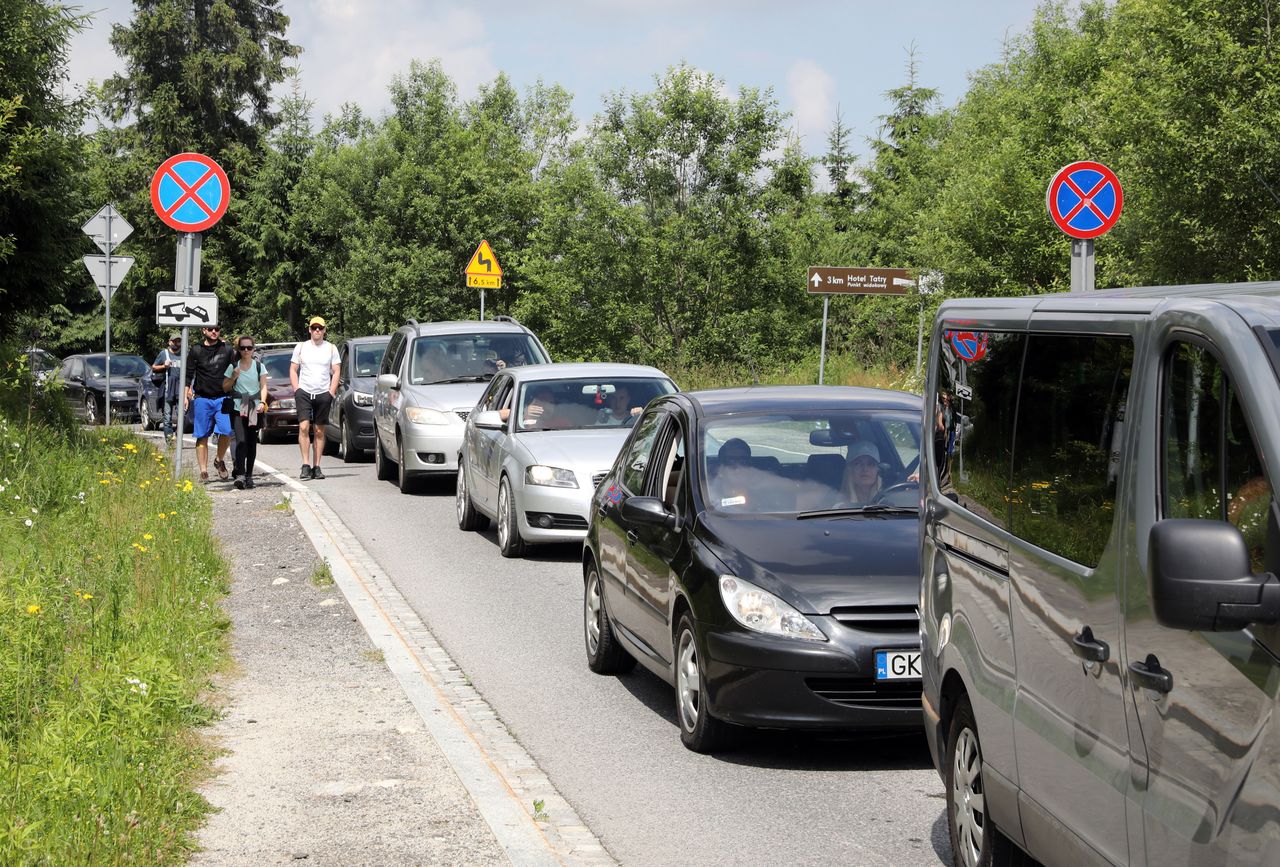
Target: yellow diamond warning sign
483,271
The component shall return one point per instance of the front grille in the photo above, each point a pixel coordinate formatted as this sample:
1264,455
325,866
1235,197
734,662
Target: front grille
557,521
598,478
879,618
858,692
463,413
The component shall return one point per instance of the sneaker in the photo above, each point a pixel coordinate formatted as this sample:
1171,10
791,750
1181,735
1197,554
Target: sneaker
306,472
316,474
221,467
239,483
204,476
248,483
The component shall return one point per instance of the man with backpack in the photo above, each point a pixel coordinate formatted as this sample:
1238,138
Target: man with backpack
166,373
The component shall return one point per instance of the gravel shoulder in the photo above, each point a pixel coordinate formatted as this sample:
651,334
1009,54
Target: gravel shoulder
326,761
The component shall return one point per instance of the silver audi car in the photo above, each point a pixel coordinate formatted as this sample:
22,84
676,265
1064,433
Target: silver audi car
539,441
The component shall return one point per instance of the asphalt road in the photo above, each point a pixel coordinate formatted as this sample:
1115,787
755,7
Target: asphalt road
610,744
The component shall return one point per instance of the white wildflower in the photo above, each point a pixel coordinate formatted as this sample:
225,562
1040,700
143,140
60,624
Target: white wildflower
27,522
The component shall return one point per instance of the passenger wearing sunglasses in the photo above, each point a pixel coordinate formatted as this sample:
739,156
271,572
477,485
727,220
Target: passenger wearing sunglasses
313,373
247,382
207,361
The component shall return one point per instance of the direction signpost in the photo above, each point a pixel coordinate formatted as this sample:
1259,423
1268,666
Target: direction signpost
190,193
108,230
1084,200
483,272
852,281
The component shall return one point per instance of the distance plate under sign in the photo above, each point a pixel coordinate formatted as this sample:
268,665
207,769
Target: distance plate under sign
197,311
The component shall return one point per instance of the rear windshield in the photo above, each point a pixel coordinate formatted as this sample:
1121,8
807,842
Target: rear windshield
470,357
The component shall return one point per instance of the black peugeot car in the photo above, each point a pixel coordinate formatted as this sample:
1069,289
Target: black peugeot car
350,429
84,386
758,549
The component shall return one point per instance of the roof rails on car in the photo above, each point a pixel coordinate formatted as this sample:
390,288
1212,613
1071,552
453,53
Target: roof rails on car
502,317
417,329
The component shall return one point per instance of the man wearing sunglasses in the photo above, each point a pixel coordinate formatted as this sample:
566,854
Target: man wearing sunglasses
206,362
313,373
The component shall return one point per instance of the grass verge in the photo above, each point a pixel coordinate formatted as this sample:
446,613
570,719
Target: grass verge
110,628
839,370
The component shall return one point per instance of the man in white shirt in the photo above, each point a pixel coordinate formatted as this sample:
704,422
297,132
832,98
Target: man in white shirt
313,373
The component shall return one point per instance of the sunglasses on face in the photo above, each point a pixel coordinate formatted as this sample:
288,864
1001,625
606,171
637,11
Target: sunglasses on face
244,347
317,328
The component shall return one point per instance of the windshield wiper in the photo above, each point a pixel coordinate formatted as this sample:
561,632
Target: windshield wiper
483,377
871,509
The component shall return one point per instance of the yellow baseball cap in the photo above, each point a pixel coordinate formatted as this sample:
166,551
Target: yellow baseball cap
316,320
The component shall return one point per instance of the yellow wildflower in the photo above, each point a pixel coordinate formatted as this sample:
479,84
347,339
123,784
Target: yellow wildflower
105,482
147,536
33,609
130,446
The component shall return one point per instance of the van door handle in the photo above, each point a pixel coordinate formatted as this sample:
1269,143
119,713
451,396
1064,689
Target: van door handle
1149,675
632,538
1089,648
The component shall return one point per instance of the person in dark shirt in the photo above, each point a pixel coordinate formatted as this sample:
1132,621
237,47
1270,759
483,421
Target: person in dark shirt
207,362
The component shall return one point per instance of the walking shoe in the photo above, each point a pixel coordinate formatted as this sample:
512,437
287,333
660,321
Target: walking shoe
248,482
306,472
239,483
204,476
221,467
316,474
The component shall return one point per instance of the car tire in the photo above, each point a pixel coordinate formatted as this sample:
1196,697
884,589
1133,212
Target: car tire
144,414
975,840
381,466
604,654
468,518
699,730
332,444
405,480
350,454
90,410
509,541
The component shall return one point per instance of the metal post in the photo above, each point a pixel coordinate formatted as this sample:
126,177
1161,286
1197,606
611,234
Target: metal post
110,249
920,337
481,303
822,353
1082,265
189,244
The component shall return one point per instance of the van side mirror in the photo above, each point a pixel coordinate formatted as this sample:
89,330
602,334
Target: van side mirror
490,419
1201,578
389,380
649,511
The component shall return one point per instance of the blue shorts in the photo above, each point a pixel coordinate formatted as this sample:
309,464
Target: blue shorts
208,417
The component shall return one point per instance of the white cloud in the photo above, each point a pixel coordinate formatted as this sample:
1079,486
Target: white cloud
812,92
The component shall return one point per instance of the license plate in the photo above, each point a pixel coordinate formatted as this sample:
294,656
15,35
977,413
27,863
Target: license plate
897,665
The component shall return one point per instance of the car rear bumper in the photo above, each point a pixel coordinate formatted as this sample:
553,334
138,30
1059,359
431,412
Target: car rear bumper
781,683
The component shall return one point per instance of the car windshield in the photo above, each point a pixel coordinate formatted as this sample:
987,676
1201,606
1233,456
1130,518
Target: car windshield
470,357
121,365
368,357
41,360
854,461
277,365
581,403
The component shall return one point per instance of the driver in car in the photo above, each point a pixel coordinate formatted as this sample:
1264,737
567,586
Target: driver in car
861,481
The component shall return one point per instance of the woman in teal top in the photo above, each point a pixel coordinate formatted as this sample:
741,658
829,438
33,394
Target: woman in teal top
246,380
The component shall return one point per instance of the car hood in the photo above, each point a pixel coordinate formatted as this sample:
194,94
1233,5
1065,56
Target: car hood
821,563
588,451
447,396
277,389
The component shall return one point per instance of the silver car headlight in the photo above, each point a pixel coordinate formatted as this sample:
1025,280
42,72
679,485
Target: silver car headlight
360,398
422,415
761,611
283,404
553,477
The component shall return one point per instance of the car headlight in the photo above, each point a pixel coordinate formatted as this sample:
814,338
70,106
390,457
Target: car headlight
119,392
553,477
283,404
360,398
422,415
761,611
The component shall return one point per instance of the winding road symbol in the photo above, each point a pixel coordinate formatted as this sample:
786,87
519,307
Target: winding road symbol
190,192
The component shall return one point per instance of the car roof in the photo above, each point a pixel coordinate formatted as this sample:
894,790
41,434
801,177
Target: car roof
582,369
461,326
88,355
1134,299
369,338
773,398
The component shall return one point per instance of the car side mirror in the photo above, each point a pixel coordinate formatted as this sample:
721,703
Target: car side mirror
650,512
389,380
1201,578
490,419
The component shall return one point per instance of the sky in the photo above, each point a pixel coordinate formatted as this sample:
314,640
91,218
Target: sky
819,57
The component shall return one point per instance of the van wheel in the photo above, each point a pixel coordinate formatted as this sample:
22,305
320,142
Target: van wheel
604,654
699,730
381,466
975,840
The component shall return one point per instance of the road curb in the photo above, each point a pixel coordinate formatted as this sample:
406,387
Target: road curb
498,773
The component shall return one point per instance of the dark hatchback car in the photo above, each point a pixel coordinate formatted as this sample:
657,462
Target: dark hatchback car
84,386
350,429
282,415
758,549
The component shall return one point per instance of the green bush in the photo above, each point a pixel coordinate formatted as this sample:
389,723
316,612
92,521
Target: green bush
110,628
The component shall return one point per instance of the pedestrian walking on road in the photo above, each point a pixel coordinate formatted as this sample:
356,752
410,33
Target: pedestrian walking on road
246,379
207,361
313,373
167,374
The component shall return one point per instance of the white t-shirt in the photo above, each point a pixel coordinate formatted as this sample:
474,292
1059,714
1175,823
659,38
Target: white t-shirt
315,365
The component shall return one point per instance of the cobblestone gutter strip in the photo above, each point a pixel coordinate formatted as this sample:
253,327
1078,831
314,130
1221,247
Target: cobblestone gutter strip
499,774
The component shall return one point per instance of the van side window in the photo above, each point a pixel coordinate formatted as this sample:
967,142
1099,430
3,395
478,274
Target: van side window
1066,453
1210,465
973,419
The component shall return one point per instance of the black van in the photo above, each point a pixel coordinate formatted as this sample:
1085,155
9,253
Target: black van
1099,550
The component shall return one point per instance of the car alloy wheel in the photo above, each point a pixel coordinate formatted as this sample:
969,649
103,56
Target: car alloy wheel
144,416
345,448
405,479
509,541
468,517
381,466
604,654
90,410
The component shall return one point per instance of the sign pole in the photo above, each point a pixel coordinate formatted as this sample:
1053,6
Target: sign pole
189,248
920,336
481,303
1084,200
1082,265
822,353
110,250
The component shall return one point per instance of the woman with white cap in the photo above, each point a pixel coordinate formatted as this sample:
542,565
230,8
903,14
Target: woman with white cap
861,481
